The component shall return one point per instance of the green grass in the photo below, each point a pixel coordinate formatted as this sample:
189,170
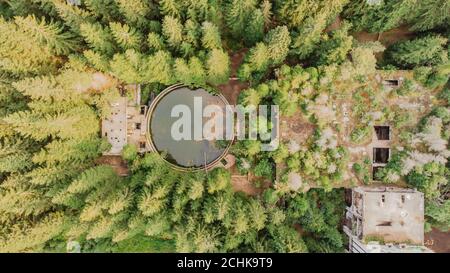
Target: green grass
144,244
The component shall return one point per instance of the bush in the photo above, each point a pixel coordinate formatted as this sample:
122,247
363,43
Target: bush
130,152
360,134
362,170
264,168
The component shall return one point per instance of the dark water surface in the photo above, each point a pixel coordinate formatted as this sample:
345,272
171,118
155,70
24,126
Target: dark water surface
185,153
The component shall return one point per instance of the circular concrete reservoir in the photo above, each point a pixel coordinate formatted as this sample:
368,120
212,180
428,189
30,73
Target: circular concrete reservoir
186,153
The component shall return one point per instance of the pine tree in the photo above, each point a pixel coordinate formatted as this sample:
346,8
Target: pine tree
428,50
218,67
157,225
98,61
285,239
73,16
155,42
294,12
250,97
99,38
205,240
125,68
258,214
266,10
237,15
363,57
204,10
258,57
19,55
151,205
241,223
191,73
196,189
335,47
50,176
135,11
19,203
309,34
218,180
172,31
182,71
254,31
78,122
120,201
171,8
430,14
14,156
66,86
10,99
106,9
159,68
193,33
32,237
48,34
75,152
197,71
126,36
210,36
252,147
101,229
278,41
92,178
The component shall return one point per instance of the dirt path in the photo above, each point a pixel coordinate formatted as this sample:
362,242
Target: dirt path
233,87
116,162
386,38
438,241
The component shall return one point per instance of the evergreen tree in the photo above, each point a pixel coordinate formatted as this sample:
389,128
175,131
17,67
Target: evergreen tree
28,237
171,8
218,67
429,14
255,29
14,157
210,36
335,47
192,37
278,41
98,61
266,10
64,120
237,15
50,35
294,12
155,42
99,38
73,16
126,36
92,178
67,86
172,31
105,9
189,73
308,36
127,67
159,68
428,50
19,55
135,11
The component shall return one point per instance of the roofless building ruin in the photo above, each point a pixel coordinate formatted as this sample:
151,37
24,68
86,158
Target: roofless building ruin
385,219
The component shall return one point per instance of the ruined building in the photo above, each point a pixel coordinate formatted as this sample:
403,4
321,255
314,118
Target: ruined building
385,219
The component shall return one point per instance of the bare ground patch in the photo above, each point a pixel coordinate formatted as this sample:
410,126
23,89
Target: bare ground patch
438,241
